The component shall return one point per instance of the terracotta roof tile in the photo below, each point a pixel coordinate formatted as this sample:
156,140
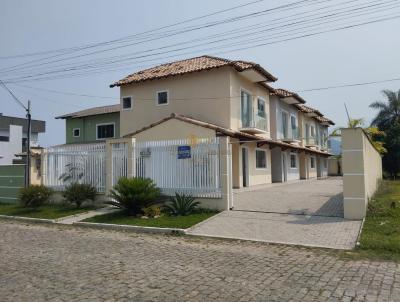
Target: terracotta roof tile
283,93
92,111
189,66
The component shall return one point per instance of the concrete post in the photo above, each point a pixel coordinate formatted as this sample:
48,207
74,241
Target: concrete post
226,175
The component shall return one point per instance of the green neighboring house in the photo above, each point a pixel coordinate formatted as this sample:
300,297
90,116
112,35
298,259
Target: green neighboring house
92,125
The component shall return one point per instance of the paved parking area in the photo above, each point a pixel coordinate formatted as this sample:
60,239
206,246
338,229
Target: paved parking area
60,263
306,213
322,197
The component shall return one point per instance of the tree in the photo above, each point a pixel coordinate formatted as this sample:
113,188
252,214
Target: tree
388,120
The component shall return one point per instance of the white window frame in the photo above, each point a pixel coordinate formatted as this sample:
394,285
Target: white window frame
266,158
160,91
265,111
297,161
104,124
287,122
251,104
315,162
122,102
73,132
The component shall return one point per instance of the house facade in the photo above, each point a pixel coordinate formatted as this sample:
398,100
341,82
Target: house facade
272,138
14,136
92,125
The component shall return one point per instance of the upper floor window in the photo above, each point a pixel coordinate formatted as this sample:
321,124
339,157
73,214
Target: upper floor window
312,131
284,124
162,98
126,103
104,131
293,161
261,108
245,108
261,159
76,132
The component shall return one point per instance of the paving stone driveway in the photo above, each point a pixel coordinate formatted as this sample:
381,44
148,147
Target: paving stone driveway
311,197
60,263
304,213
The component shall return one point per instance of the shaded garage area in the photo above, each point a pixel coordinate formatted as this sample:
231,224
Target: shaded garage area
318,197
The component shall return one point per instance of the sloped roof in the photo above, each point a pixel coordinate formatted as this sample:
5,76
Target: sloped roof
308,109
188,66
323,119
284,93
227,132
92,111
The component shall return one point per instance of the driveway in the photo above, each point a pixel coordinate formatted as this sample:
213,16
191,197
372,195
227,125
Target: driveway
59,263
308,213
322,197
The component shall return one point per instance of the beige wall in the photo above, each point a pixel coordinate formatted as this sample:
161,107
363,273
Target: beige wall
174,129
333,166
203,95
362,170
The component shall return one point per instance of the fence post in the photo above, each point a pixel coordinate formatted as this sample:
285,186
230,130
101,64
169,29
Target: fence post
226,186
108,166
131,142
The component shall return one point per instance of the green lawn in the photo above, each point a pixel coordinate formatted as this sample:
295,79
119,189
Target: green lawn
381,233
165,221
45,212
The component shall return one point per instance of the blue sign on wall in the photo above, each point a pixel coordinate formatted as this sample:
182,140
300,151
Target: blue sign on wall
184,152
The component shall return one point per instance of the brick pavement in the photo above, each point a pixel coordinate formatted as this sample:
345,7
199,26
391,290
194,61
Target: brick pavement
62,263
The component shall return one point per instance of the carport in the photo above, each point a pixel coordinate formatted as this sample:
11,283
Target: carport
317,197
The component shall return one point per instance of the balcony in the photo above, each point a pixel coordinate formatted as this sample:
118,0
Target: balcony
254,125
310,142
293,136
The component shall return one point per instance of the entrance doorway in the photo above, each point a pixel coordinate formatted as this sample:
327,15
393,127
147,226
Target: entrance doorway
245,167
284,167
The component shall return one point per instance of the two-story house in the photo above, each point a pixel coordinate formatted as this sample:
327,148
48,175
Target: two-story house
208,97
14,136
92,125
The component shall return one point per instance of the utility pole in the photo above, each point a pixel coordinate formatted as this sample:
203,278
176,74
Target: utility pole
28,155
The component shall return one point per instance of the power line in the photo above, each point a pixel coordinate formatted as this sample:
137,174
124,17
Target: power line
13,95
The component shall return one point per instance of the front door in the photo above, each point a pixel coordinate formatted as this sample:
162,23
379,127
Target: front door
284,167
245,167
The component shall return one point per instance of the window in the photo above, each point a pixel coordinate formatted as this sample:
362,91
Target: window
126,103
162,98
76,132
4,138
261,108
246,109
325,163
105,131
284,124
293,124
261,159
293,161
312,130
312,162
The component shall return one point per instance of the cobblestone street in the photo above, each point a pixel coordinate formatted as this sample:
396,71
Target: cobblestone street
60,263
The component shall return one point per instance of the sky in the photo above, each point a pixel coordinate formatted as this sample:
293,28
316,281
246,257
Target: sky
354,55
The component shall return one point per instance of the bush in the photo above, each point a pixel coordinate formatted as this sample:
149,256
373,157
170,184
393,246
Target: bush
182,205
134,194
34,196
77,193
152,211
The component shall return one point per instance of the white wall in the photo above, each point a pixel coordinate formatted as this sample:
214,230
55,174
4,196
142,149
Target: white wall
9,149
277,107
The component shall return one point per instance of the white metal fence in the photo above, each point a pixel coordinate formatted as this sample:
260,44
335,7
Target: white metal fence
182,166
84,163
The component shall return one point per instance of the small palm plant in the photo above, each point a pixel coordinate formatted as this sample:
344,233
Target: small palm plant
182,205
134,194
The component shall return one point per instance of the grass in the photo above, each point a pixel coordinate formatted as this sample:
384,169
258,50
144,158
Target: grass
52,211
380,237
165,221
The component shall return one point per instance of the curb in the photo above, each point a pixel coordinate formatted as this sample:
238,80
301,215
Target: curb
204,221
27,219
130,228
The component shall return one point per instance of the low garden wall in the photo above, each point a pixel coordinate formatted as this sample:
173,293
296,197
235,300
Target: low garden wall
362,172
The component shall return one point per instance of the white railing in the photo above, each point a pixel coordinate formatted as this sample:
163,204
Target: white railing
83,163
181,166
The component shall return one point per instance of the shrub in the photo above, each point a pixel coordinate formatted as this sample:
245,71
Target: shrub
134,194
77,193
152,211
182,205
35,196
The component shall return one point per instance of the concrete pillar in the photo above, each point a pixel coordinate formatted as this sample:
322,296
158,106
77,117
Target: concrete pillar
226,172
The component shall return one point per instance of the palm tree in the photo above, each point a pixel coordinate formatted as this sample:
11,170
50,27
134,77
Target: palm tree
389,110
